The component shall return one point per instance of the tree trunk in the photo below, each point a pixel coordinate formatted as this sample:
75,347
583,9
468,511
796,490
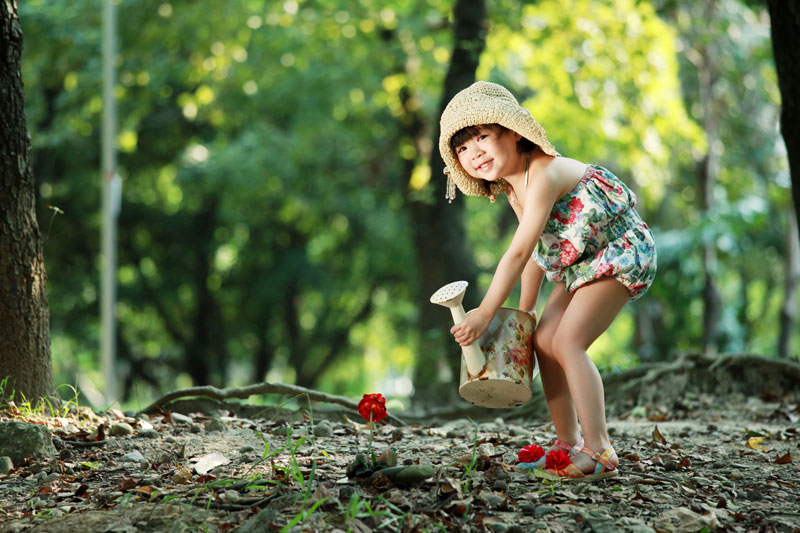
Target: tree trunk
24,313
439,233
785,23
709,168
789,307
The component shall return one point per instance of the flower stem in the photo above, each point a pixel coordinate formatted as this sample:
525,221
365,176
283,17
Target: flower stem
370,459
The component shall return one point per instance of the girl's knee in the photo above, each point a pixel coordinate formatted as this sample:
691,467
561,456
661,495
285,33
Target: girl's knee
542,342
564,346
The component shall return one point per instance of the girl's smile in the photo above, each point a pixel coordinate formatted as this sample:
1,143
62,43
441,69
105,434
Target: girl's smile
491,154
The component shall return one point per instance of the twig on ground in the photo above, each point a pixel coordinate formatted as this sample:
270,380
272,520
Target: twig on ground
85,444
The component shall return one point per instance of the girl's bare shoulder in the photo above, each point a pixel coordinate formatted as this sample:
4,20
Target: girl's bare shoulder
565,173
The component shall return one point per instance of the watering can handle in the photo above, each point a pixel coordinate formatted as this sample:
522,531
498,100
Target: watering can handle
473,355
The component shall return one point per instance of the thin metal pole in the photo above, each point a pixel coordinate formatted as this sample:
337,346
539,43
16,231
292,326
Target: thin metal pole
111,196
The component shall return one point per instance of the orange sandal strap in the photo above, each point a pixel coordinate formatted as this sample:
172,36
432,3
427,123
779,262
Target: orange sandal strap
603,461
572,449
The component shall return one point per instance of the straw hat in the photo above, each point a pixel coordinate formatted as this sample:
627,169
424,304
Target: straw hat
484,103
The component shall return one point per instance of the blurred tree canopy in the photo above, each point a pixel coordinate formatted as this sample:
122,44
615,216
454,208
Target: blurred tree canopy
273,154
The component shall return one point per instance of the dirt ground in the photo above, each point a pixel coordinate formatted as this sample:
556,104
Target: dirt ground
698,462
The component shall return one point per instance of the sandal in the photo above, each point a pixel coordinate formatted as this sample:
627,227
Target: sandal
540,462
602,470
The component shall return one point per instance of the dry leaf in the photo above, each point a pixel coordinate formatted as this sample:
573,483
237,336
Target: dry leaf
182,476
784,459
754,443
657,436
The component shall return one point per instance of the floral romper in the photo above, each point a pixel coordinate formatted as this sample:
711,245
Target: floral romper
594,231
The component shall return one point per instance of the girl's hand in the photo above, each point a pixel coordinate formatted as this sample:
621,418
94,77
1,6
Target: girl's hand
471,328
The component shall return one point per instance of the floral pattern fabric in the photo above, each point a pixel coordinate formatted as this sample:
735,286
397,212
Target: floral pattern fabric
594,231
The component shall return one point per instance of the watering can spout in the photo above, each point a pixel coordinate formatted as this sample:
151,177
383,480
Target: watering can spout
450,296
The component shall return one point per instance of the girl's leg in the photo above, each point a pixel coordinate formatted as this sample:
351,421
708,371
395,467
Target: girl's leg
554,382
590,312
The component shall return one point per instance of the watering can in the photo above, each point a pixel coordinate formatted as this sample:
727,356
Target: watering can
498,368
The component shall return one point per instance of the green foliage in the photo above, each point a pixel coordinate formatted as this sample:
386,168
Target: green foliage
270,154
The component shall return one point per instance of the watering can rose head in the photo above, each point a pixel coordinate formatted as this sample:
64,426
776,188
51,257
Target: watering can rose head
374,404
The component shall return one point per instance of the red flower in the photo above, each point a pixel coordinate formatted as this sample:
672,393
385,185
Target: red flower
574,207
568,253
530,454
375,404
557,460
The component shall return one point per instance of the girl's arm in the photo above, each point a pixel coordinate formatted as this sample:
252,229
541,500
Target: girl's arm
532,275
542,194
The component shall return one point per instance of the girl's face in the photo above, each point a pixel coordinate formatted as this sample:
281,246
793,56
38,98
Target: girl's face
490,154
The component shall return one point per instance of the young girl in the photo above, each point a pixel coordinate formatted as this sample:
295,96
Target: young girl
577,226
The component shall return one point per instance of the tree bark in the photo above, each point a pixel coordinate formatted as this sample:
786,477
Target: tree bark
24,313
785,27
709,168
439,233
789,306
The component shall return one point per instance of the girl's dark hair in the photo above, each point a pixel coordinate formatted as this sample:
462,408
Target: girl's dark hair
464,134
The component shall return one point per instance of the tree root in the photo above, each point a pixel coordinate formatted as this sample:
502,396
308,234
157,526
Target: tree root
209,391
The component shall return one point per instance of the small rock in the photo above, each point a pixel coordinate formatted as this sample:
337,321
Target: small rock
388,457
408,461
49,478
502,475
754,494
133,457
247,449
215,424
736,475
542,510
487,449
148,433
492,500
19,440
181,419
500,485
397,434
121,428
497,527
323,429
527,508
6,464
231,496
195,429
130,413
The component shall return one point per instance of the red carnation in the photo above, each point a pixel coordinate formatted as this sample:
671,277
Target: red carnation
375,404
530,454
557,460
